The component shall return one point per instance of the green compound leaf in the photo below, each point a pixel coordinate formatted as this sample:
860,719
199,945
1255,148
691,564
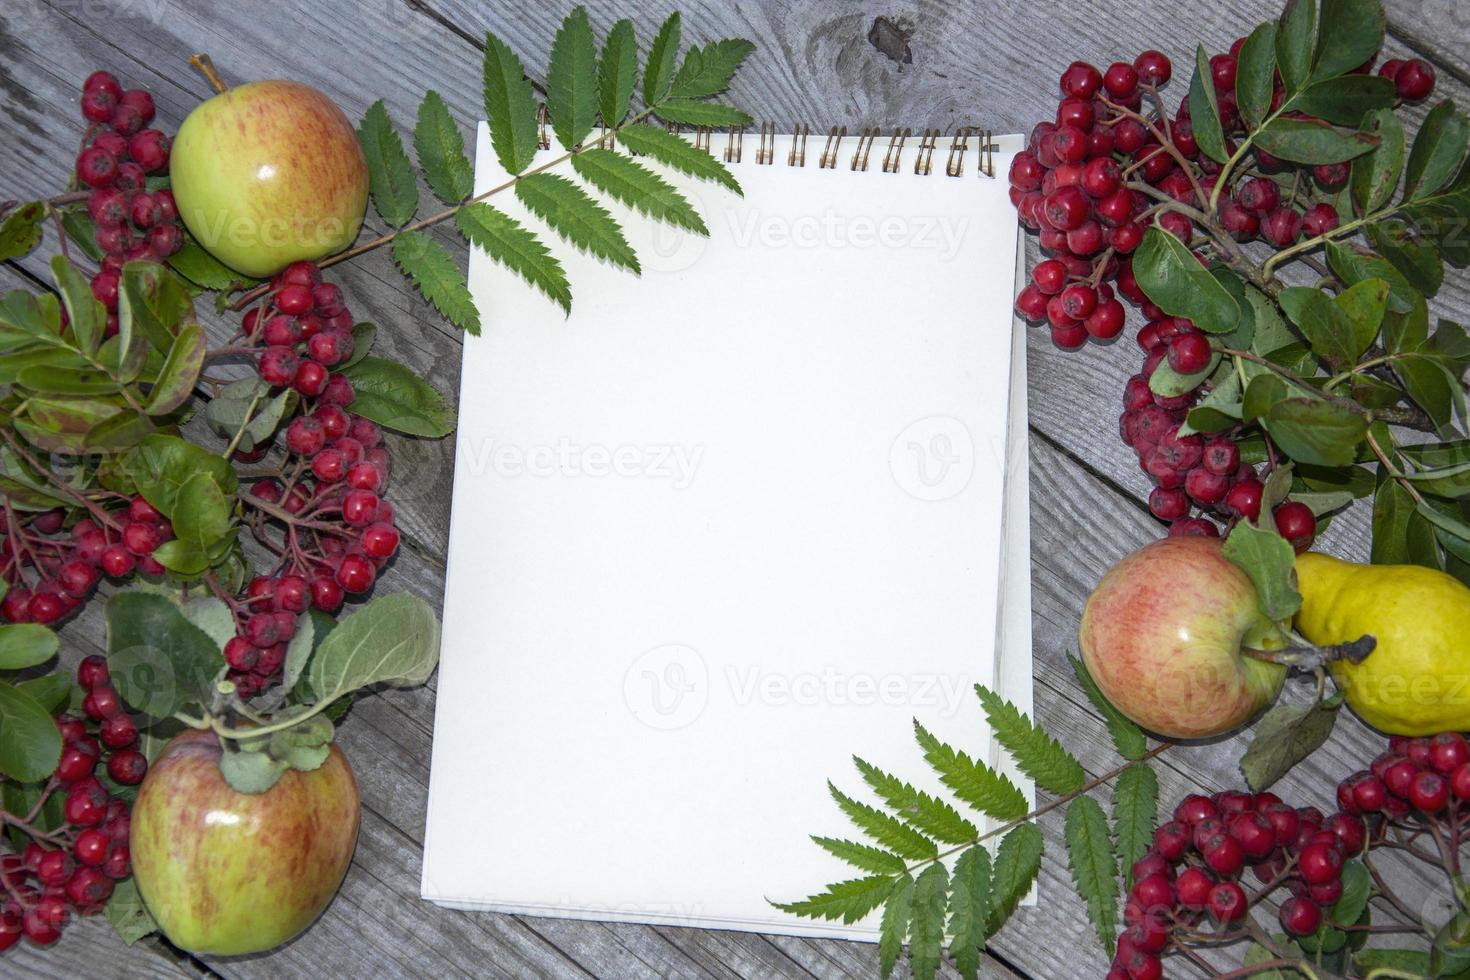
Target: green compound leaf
576,217
440,149
438,277
1127,736
638,187
1017,862
390,174
659,71
1094,870
891,832
864,857
975,783
707,71
571,80
1037,754
677,152
894,927
617,71
693,112
926,920
510,107
969,909
517,248
928,814
846,900
1135,806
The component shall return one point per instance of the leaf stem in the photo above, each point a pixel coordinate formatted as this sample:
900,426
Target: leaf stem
1393,470
1275,368
60,484
244,423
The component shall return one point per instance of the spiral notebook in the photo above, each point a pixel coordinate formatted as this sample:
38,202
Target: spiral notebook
731,522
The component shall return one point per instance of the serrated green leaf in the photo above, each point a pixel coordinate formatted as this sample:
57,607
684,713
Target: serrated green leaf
576,217
693,112
25,645
571,80
390,175
440,148
846,900
1270,563
1204,109
1169,274
510,107
251,772
894,926
675,151
1254,74
1296,42
1017,862
975,783
707,71
22,230
1128,738
1305,141
927,813
30,745
1350,32
659,70
1036,753
891,832
1094,871
926,920
517,248
1439,151
438,277
180,371
1284,736
864,857
617,71
638,187
1135,807
1375,175
969,909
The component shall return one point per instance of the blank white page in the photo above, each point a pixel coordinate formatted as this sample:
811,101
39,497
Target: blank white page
731,522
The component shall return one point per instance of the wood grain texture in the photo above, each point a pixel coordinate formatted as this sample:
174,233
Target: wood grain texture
989,64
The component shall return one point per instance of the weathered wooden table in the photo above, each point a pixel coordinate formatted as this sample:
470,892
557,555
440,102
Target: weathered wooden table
945,65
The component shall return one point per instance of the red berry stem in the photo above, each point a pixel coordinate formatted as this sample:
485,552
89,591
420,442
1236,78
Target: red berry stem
56,483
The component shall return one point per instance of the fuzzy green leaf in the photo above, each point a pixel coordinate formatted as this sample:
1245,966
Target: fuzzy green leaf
894,926
159,660
638,187
1375,175
198,266
969,908
707,71
517,248
891,832
864,857
510,107
1094,871
1017,862
576,217
571,80
1353,264
440,149
438,277
1255,72
1135,805
926,920
617,71
1439,149
1204,109
846,900
394,639
392,395
675,151
927,813
1269,562
692,112
1127,736
1412,255
1037,754
390,174
988,791
1305,141
1284,736
659,71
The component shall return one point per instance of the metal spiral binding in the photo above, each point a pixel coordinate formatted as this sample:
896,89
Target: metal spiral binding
766,152
542,119
987,153
924,162
797,156
895,150
955,165
735,145
701,138
866,137
828,159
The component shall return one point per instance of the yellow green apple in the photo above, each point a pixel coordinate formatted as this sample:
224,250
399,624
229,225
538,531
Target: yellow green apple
227,873
1163,636
267,173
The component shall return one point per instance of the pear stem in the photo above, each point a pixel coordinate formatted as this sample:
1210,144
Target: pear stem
1306,657
205,66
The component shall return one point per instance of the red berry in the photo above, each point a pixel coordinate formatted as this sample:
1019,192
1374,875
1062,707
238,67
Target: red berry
92,671
1224,855
1296,523
1227,902
1284,821
149,149
1255,834
1414,80
1319,219
1168,504
1241,223
1448,752
240,655
91,847
1349,831
1195,808
1121,80
1460,782
86,804
1153,892
278,366
294,300
1190,353
101,703
1193,887
1153,68
89,888
1429,792
1319,863
1066,208
1081,80
44,920
77,762
1031,303
311,379
355,574
96,167
1079,300
1282,227
117,561
1244,498
326,595
141,539
305,436
127,766
379,540
1300,916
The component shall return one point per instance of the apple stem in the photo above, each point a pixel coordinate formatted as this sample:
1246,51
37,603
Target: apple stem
1305,656
205,66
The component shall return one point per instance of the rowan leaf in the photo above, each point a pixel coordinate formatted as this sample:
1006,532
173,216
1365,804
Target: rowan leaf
1017,862
969,908
390,175
571,80
1094,870
1128,738
891,832
638,187
926,920
674,151
437,276
510,107
927,813
617,71
1135,805
1038,754
576,217
517,248
694,112
864,857
440,149
893,928
659,70
988,791
846,900
707,71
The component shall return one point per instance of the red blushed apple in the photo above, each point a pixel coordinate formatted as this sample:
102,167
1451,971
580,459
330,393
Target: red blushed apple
226,872
1163,634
